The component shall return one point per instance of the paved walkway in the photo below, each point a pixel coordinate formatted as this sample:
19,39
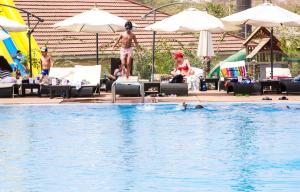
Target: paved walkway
208,96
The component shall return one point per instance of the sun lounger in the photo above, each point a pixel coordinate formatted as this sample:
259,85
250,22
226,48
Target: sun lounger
75,76
7,90
244,88
291,87
91,74
127,87
179,89
62,73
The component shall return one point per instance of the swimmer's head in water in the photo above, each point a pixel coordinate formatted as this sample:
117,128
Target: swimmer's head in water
199,107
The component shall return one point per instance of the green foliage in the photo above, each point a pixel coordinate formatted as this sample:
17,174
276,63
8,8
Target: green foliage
216,9
290,43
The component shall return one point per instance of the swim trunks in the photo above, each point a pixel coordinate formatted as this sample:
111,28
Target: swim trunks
45,72
126,52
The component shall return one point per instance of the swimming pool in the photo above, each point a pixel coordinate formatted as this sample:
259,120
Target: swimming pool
224,147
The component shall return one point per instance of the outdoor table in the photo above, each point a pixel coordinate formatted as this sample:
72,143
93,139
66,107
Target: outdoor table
213,80
26,86
61,89
151,88
274,84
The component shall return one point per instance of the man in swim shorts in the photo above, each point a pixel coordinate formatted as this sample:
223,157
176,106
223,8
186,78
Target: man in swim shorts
126,51
46,62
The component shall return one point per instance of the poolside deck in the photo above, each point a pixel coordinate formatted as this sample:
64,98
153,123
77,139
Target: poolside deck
208,96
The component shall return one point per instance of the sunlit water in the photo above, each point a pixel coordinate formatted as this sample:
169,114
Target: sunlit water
96,148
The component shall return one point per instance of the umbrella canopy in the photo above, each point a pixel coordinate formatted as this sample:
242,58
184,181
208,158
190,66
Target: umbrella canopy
267,15
10,25
3,35
93,21
190,20
205,46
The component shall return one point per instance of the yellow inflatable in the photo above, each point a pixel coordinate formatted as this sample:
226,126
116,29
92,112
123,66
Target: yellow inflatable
5,53
20,38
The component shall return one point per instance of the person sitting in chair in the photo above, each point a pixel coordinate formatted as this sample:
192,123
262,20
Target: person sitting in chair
6,72
119,72
182,68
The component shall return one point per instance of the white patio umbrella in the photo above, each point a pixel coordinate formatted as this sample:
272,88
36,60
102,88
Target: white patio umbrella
93,21
190,20
10,25
3,35
205,45
267,15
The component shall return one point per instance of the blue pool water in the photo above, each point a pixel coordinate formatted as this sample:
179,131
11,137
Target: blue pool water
91,148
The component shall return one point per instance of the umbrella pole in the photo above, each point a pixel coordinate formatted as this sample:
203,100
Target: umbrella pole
207,60
97,49
271,52
153,49
153,57
29,44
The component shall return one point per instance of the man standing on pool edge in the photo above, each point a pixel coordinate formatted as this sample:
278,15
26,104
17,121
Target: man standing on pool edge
46,62
126,50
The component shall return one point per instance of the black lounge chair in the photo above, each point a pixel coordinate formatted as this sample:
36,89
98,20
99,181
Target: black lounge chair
290,87
7,90
85,91
179,89
127,88
91,74
244,88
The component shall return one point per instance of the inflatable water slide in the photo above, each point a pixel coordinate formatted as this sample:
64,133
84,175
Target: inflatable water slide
238,56
18,41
